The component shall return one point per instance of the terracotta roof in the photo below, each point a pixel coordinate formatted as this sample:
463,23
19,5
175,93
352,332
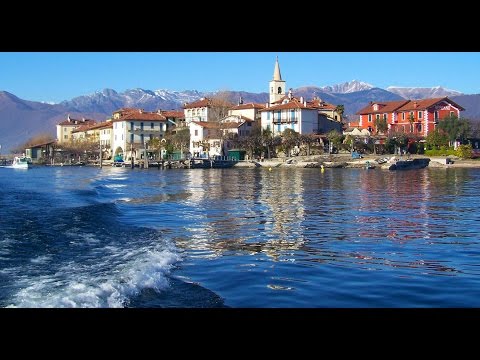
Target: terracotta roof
321,105
75,122
280,100
231,125
102,125
205,102
427,103
293,103
405,105
174,114
248,106
385,107
140,115
207,124
125,110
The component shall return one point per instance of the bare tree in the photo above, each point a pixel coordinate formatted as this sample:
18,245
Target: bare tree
308,139
219,105
33,141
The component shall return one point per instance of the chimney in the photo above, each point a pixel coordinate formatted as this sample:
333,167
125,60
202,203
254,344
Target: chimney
301,99
83,119
414,104
290,93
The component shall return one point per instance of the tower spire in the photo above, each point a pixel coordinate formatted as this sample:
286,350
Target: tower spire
276,72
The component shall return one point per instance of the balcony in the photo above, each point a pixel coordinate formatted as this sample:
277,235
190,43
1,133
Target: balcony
285,121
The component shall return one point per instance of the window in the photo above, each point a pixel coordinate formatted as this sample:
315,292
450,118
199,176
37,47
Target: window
279,90
436,116
420,114
385,116
271,90
196,132
152,126
141,127
419,127
249,124
369,117
151,137
142,139
65,137
131,138
131,126
268,115
452,113
377,116
403,116
411,114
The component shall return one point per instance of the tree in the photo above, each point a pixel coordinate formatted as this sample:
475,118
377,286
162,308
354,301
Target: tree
157,145
178,141
340,109
219,105
334,139
253,142
33,141
411,120
381,125
290,138
475,129
435,139
454,128
308,139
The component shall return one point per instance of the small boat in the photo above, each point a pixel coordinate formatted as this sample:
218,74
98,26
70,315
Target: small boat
21,162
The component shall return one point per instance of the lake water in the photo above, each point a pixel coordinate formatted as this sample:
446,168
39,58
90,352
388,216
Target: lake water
117,237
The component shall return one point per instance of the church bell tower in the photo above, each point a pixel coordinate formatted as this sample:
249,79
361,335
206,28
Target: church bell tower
277,85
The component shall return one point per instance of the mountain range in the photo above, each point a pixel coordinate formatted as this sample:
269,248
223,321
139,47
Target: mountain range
22,119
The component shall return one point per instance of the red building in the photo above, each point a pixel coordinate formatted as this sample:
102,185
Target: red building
419,117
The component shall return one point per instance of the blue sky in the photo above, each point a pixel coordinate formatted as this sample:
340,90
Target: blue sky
57,76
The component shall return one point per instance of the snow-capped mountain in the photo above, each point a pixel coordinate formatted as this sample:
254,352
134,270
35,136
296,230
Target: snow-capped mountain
422,92
31,117
347,87
108,100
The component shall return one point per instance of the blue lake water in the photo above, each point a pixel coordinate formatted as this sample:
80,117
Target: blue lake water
117,237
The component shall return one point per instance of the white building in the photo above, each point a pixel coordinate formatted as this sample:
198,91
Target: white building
205,139
288,112
133,128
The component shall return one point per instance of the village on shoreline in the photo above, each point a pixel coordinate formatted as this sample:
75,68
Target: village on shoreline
287,131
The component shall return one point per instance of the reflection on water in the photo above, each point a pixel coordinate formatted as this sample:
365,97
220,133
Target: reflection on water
258,226
243,237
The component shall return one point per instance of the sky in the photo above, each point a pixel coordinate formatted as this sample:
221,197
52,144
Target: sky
58,76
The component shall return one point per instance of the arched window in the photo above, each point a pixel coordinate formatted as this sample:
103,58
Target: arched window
279,89
271,90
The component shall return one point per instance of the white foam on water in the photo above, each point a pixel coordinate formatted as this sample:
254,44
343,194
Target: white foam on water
43,259
100,285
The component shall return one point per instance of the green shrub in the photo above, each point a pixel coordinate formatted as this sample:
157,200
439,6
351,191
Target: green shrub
464,151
